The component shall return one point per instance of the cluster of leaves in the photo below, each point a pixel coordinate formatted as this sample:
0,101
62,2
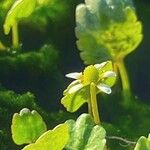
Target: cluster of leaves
9,104
28,127
68,135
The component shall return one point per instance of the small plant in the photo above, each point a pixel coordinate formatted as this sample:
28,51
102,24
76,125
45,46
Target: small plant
84,134
94,79
108,30
20,9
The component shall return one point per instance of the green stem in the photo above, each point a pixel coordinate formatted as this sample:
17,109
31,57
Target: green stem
125,81
94,106
15,36
90,108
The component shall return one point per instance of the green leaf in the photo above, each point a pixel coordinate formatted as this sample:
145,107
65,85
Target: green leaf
20,9
55,139
143,143
72,102
106,29
85,135
27,126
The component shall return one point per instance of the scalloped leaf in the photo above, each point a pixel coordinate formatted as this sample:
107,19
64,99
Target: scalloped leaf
143,143
106,29
55,139
20,9
85,135
72,102
27,126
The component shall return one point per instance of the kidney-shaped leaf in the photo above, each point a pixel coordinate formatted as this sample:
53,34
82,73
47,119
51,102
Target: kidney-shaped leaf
55,139
106,29
143,143
27,126
85,135
19,10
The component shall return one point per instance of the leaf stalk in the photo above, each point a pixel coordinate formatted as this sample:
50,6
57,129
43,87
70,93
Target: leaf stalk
94,106
15,35
124,80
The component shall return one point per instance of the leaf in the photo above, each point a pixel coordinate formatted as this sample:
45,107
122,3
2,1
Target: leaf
143,143
20,9
85,135
27,126
72,102
55,139
106,30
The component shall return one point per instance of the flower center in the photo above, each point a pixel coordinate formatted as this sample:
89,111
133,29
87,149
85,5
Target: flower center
90,75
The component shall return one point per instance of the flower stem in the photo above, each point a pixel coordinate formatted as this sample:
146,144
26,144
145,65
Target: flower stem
125,81
90,107
94,106
15,36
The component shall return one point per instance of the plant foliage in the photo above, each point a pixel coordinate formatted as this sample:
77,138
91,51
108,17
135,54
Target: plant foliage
27,126
55,139
106,29
91,74
143,143
85,135
20,9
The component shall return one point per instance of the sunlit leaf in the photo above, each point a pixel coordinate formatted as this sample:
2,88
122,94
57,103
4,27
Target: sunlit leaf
19,10
85,135
143,143
106,29
72,102
55,139
27,126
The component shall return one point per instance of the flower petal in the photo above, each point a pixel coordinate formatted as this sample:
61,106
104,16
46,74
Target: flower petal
108,74
104,88
75,88
74,75
99,66
75,82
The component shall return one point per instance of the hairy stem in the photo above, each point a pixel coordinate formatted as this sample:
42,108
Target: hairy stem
15,36
94,106
125,81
